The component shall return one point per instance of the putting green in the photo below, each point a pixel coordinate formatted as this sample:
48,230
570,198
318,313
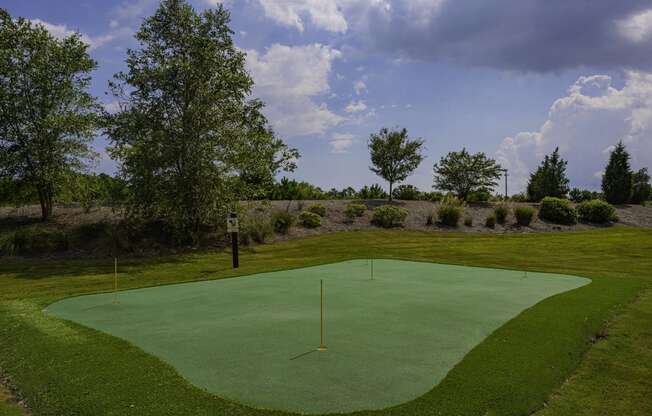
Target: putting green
252,339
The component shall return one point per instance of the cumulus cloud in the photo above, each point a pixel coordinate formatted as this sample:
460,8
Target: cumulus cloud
522,35
637,27
291,80
323,14
341,142
356,107
585,124
63,31
525,35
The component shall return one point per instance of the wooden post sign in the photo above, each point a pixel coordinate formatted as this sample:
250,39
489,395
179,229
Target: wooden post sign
233,228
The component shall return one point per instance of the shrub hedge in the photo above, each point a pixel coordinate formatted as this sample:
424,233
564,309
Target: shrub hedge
310,219
596,211
318,209
558,211
388,216
355,210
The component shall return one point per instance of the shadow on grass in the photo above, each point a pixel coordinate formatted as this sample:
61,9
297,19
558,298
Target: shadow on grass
37,269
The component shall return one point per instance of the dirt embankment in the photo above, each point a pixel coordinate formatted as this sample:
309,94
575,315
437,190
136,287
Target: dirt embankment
418,211
82,234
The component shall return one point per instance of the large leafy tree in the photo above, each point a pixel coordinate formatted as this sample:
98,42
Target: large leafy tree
47,116
617,179
549,179
394,155
463,173
190,139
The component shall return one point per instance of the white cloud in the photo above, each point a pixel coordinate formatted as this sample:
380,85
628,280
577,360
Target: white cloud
63,31
134,9
359,86
585,124
324,14
356,107
341,142
290,80
636,28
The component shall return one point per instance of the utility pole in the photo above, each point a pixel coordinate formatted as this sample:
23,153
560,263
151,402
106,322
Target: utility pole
506,175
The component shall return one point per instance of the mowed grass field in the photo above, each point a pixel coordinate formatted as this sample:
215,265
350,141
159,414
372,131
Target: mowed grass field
587,351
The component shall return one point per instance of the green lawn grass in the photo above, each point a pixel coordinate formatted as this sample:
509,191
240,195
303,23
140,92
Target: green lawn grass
63,368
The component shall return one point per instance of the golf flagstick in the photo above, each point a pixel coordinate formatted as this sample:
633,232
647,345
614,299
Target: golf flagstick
115,280
322,346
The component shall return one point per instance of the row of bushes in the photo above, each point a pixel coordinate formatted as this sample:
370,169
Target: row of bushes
449,213
560,211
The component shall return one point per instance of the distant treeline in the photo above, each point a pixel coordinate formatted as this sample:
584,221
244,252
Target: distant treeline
87,190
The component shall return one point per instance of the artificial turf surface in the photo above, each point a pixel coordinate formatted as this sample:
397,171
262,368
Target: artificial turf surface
63,368
391,336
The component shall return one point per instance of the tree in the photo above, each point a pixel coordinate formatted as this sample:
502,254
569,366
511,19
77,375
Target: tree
463,173
394,155
617,179
641,188
406,193
374,191
190,140
47,116
549,179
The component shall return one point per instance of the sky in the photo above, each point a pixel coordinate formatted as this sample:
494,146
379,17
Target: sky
511,78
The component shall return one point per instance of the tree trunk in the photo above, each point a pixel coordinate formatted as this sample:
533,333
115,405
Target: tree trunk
390,190
41,200
46,200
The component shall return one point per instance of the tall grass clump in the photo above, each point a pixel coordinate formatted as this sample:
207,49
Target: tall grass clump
282,221
450,212
256,228
353,211
501,211
490,222
524,215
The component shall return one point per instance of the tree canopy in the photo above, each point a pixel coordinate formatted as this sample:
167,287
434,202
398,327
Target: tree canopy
190,140
47,117
549,179
617,179
463,173
394,155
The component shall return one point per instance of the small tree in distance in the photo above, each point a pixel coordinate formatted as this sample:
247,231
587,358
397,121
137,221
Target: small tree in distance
394,156
641,188
617,179
549,179
463,173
